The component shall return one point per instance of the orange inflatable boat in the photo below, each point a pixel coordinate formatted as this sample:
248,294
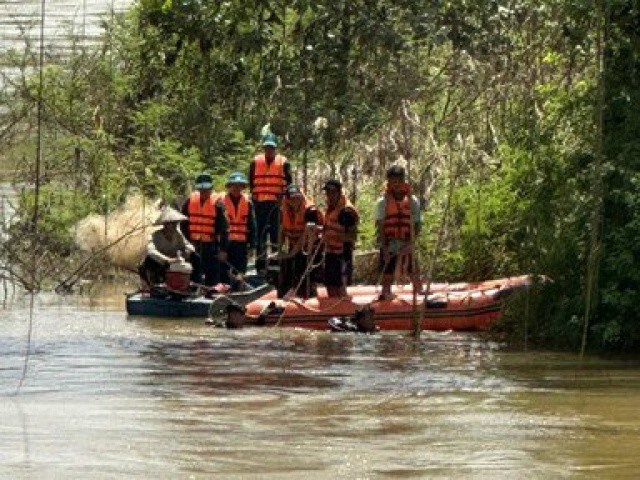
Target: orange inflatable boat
457,306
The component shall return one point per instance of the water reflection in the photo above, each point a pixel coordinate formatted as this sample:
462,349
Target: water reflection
110,397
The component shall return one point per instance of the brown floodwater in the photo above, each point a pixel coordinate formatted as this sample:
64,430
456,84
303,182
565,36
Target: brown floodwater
107,396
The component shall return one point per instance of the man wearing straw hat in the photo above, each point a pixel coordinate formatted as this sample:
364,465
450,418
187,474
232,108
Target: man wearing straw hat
242,229
207,229
166,246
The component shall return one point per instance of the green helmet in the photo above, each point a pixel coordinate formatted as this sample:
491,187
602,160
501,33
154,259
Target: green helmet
204,182
269,140
237,177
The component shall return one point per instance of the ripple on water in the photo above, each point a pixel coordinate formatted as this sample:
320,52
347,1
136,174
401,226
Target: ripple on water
111,397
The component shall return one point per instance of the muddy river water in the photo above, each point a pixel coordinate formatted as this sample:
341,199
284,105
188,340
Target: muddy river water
106,396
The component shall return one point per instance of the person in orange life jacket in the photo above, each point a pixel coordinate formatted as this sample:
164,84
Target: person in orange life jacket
207,229
269,175
164,248
340,226
299,219
242,228
396,210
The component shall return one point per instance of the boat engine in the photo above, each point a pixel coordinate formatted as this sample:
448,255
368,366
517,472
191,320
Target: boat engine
178,276
362,321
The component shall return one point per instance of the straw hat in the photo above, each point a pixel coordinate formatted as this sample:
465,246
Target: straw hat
169,215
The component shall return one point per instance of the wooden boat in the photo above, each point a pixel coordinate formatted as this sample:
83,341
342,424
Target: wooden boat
171,305
461,306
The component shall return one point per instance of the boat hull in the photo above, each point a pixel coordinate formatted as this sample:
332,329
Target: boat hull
143,304
466,307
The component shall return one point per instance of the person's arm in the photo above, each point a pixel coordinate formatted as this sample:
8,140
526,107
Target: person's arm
222,227
187,247
252,171
252,229
311,215
381,207
288,177
349,220
155,254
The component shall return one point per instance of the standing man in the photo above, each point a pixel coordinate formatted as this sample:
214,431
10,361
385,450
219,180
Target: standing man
207,229
299,220
397,225
340,226
269,174
242,228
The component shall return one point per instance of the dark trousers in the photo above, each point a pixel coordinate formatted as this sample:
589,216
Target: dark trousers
207,271
237,256
291,271
153,272
267,223
333,269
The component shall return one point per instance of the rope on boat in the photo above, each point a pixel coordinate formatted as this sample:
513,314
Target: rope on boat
339,300
310,266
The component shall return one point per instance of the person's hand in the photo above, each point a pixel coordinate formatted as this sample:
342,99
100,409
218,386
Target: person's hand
311,227
222,256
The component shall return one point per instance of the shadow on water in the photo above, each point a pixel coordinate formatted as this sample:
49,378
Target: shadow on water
111,397
296,361
209,367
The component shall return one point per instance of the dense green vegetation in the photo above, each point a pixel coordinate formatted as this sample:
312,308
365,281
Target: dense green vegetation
517,119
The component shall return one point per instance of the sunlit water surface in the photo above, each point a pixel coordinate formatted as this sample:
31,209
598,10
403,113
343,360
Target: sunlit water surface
106,396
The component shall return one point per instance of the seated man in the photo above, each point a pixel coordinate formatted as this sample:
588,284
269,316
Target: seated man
165,247
298,216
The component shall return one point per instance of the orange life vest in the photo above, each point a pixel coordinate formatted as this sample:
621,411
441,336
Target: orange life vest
334,234
293,221
238,217
397,218
268,179
202,218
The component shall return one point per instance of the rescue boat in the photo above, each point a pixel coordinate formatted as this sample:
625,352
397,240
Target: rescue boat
455,306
